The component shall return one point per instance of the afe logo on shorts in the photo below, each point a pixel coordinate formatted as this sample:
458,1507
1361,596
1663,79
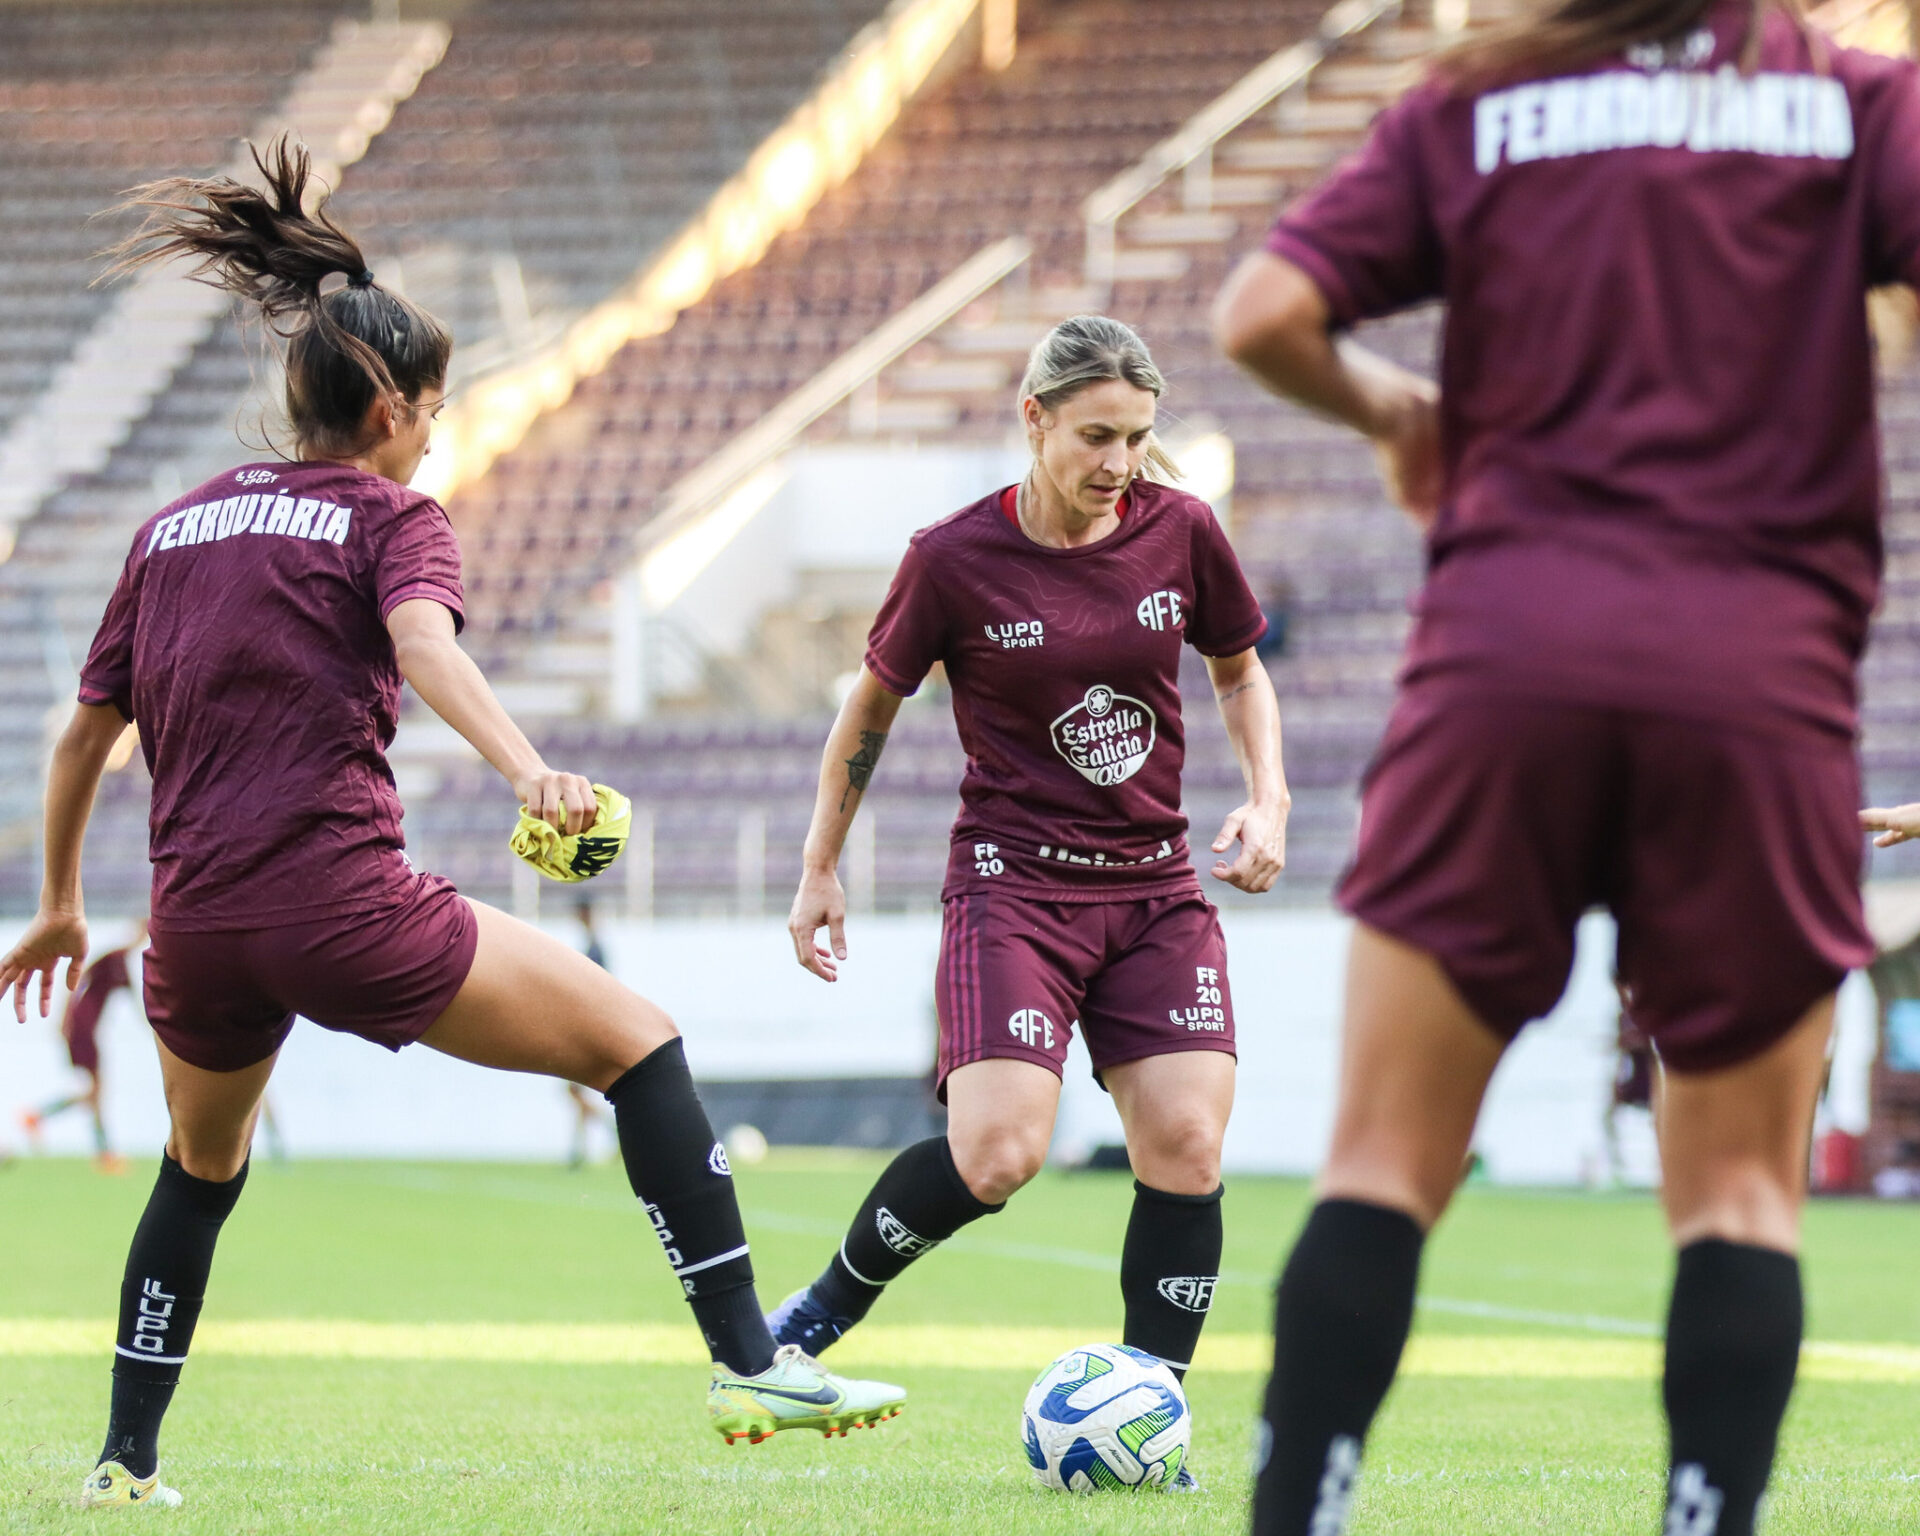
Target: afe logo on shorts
898,1236
1190,1293
717,1161
1031,1027
1107,736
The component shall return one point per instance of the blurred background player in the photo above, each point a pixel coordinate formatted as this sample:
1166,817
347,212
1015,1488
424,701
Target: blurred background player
259,638
1058,608
80,1028
1635,1068
1651,488
586,1112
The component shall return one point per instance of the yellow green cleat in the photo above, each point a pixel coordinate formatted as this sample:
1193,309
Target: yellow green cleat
796,1392
111,1484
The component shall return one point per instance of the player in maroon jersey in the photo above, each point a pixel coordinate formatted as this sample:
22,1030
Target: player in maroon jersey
1059,608
1650,486
258,636
80,1028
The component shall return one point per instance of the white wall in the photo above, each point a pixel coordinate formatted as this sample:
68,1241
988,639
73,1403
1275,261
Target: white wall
750,1012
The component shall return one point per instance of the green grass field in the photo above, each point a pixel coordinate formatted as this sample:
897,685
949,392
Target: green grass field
397,1348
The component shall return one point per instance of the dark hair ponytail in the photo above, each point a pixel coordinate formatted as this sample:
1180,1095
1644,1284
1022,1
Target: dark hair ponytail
344,349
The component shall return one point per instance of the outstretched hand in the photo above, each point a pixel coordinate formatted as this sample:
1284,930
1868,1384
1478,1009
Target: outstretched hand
819,903
1895,824
50,938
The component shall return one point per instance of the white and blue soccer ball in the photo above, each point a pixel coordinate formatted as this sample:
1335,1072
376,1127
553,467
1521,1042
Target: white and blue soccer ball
1106,1417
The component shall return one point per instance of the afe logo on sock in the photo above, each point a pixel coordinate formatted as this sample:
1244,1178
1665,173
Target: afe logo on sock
717,1161
1336,1487
1190,1293
1693,1504
898,1236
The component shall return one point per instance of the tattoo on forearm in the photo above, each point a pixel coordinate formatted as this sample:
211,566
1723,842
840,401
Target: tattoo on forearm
1241,688
861,765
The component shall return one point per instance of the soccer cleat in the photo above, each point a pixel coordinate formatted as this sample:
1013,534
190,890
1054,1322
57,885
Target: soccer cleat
802,1320
795,1392
111,1484
1184,1481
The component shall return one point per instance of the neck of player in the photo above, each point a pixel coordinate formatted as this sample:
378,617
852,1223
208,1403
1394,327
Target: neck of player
1049,516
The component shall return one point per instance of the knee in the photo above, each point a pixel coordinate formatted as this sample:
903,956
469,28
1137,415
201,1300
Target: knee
995,1166
1180,1156
218,1160
612,1051
1751,1201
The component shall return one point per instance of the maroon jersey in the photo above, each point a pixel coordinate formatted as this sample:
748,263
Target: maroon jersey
247,639
1065,667
1662,487
98,983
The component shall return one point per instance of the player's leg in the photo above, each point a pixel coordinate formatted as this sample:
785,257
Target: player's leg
1415,1063
1174,1109
1733,1147
532,1004
1488,828
1743,916
1008,982
202,1172
1000,1115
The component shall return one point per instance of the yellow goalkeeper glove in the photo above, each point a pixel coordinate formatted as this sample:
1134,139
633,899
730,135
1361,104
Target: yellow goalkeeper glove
583,855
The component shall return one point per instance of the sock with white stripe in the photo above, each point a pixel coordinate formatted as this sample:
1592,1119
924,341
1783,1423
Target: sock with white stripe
681,1174
918,1201
160,1300
1169,1266
1733,1344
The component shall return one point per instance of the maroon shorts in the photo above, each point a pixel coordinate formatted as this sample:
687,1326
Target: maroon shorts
226,1000
83,1034
1730,859
1141,978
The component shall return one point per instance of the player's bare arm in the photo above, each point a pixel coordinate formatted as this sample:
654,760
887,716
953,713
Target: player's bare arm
1252,715
1895,824
59,929
846,769
446,678
1274,322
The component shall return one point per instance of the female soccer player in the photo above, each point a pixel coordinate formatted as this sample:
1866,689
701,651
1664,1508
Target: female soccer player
80,1028
1058,608
1651,492
258,637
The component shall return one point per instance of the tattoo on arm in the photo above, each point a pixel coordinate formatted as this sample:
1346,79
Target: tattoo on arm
861,765
1241,688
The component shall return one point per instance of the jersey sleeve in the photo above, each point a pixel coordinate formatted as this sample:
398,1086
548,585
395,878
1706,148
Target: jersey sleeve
107,676
1366,235
1227,617
910,633
1891,141
420,558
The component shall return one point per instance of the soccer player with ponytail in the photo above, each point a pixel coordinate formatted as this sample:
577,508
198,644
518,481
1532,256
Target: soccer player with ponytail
1060,609
1650,485
258,637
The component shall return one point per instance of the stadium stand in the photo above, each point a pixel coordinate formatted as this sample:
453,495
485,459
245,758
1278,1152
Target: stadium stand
981,155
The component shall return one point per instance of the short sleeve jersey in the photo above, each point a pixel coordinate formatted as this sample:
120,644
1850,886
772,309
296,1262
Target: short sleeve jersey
1064,665
247,640
1662,479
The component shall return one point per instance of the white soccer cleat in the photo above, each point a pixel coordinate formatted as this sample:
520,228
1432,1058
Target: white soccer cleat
797,1392
111,1484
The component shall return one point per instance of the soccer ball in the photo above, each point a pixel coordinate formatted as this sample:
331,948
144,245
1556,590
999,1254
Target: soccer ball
1106,1416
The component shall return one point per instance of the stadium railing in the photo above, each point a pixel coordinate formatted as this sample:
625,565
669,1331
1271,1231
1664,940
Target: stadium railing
1190,151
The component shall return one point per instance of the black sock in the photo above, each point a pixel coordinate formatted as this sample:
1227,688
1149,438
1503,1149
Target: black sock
919,1200
1733,1344
1168,1268
682,1176
1345,1306
160,1299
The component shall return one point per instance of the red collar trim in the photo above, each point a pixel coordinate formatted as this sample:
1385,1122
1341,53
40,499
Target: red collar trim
1010,506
